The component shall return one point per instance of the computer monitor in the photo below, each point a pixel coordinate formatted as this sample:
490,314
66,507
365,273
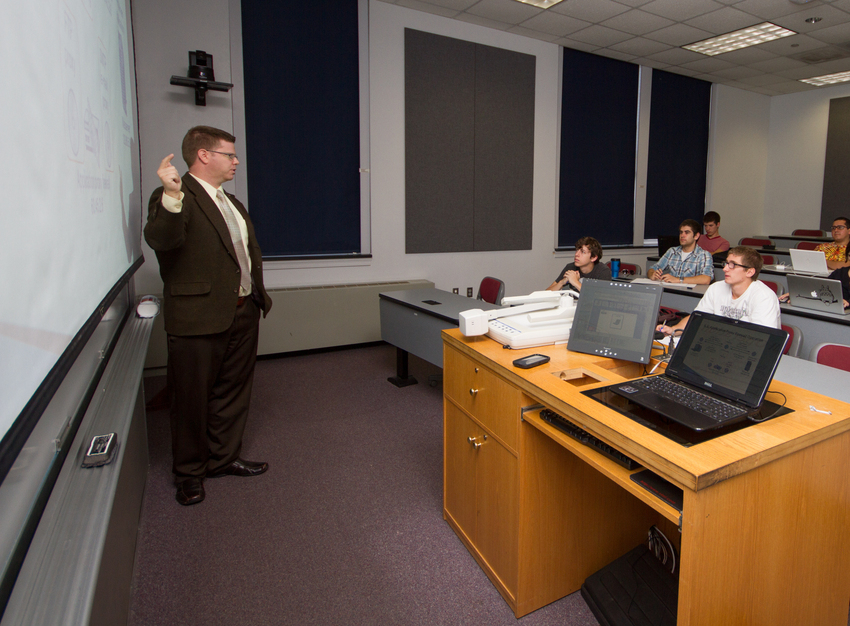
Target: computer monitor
616,319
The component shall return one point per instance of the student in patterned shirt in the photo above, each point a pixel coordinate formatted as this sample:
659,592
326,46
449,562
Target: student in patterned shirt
687,262
836,250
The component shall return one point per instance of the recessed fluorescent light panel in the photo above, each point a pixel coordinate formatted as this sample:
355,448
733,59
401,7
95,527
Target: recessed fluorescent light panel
738,39
827,79
540,4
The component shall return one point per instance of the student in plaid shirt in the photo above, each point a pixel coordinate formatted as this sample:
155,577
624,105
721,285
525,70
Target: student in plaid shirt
687,262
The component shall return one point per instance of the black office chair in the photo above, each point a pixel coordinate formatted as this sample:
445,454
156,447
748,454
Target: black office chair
491,290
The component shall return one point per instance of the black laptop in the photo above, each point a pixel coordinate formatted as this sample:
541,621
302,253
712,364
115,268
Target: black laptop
718,375
665,242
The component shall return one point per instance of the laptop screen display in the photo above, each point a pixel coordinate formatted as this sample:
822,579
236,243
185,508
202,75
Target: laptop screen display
616,319
731,358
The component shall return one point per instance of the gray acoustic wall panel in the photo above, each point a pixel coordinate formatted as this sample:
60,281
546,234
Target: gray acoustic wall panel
469,145
836,181
504,148
439,111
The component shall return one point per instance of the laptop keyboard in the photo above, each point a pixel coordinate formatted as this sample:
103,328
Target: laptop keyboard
711,407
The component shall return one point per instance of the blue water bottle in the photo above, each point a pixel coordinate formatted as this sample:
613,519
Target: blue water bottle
615,268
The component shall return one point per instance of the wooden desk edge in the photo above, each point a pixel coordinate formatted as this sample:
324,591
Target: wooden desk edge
685,467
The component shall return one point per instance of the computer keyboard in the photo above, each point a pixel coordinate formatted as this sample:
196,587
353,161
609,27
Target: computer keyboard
711,407
566,426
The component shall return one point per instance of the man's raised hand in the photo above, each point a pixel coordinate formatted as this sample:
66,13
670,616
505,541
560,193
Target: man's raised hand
167,173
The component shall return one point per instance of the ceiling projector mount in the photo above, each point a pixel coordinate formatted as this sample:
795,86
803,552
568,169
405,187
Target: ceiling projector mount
201,77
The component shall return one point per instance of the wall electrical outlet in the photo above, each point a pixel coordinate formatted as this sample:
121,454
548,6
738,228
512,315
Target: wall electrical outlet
469,292
455,290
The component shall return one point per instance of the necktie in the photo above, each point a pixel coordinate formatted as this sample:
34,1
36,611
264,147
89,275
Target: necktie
236,236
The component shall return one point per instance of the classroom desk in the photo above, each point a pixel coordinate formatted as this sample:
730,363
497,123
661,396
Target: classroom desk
763,528
411,320
791,241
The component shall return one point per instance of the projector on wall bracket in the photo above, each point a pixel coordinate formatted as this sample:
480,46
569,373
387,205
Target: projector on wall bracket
201,77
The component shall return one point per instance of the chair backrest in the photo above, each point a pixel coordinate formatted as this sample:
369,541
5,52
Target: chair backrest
491,290
795,338
777,288
807,245
628,269
755,242
767,259
832,354
802,232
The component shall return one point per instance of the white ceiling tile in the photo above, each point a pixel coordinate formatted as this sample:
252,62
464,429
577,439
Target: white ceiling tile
797,21
534,34
589,10
483,21
724,21
789,46
507,11
552,23
427,8
648,32
678,10
676,56
634,3
637,22
776,65
678,35
613,54
737,73
458,5
600,36
834,34
770,9
640,46
707,65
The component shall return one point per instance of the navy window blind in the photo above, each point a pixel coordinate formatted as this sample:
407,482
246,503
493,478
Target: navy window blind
302,118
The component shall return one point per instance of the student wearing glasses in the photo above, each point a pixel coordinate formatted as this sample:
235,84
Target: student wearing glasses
836,250
741,295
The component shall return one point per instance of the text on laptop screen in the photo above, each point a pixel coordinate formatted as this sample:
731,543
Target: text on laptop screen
729,357
616,319
726,355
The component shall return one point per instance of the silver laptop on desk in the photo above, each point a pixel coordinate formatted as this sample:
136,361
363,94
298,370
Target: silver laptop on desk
811,262
815,293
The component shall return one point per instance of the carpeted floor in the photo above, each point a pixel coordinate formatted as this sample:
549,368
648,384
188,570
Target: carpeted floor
346,526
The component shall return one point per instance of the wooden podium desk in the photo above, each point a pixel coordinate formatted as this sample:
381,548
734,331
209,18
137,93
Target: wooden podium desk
763,536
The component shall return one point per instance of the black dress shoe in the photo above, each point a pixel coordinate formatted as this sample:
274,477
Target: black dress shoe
241,467
190,491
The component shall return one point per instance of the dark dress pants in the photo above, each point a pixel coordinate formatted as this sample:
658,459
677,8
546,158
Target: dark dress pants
210,377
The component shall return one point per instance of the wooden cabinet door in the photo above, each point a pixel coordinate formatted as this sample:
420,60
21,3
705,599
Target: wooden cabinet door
460,468
497,494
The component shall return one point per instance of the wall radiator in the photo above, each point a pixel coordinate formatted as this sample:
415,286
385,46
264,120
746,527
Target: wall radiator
306,318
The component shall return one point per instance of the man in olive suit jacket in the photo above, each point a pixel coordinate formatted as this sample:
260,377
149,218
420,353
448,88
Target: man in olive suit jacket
211,267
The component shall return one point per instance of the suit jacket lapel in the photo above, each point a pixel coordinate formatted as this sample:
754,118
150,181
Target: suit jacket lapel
191,187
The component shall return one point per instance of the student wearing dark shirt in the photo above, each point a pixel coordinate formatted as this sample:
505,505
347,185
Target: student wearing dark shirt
586,264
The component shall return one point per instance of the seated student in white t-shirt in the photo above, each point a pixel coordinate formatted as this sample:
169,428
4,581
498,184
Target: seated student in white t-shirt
740,296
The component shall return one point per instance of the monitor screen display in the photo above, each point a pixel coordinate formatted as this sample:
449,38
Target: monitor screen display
616,319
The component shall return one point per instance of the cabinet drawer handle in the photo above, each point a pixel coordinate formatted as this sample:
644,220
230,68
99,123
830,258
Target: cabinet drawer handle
474,441
473,392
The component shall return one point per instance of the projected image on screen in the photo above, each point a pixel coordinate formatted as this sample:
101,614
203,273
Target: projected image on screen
70,167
